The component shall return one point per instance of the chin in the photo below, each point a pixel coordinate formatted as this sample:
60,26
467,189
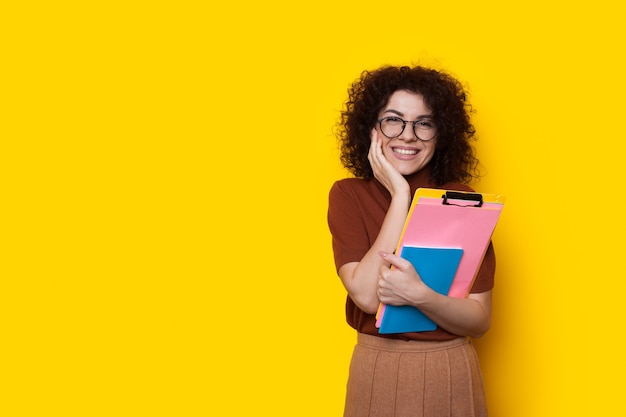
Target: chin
408,171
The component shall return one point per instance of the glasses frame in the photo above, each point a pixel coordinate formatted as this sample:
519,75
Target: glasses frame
404,122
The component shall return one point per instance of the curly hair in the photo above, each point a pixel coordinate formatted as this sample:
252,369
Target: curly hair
454,159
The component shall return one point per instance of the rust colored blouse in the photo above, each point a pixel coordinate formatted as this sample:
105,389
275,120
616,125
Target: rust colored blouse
356,211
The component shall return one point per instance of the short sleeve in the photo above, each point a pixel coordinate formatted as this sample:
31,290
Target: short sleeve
485,278
349,233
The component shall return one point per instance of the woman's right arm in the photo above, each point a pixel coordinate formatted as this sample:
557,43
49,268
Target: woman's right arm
360,278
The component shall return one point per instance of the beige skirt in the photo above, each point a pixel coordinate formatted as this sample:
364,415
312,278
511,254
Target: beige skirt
397,378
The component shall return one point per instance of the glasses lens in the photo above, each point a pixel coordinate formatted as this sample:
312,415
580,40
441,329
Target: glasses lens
392,127
425,129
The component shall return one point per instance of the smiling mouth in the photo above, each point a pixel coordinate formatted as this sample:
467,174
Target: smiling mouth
405,151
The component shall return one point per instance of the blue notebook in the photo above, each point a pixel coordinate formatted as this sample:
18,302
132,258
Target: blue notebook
437,268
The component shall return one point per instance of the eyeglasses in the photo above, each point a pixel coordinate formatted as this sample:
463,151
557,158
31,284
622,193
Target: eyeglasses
392,127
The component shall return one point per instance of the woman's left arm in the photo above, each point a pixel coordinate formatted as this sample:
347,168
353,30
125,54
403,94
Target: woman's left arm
402,285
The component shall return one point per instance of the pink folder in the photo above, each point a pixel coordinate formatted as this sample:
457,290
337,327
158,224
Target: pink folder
435,225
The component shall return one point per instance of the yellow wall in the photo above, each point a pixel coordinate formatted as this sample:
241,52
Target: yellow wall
165,175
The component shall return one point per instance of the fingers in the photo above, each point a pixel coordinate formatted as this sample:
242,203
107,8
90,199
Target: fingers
375,139
386,290
383,170
382,287
395,260
375,152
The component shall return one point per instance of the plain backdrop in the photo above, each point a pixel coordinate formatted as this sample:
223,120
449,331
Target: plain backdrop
165,173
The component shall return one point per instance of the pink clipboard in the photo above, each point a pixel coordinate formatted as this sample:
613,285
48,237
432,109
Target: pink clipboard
452,219
470,228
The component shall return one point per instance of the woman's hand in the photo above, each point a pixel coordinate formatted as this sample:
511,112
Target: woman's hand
400,285
384,172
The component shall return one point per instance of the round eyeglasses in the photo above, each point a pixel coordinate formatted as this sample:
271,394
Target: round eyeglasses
392,127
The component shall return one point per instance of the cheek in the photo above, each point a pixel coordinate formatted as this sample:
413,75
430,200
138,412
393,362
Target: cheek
385,147
431,149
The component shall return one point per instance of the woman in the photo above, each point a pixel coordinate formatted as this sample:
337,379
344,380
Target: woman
404,128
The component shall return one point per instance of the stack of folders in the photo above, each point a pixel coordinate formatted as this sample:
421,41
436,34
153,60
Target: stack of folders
445,238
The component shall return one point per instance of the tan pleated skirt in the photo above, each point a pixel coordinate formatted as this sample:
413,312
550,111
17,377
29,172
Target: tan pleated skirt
397,378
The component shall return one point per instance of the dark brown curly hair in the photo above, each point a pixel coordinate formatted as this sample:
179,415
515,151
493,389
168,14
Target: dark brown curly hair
454,159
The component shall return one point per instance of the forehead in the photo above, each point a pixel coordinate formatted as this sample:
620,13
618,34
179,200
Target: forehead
407,102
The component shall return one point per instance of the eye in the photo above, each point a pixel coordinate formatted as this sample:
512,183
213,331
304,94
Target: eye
425,124
394,120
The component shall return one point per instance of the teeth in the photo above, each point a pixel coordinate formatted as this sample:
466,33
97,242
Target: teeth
405,151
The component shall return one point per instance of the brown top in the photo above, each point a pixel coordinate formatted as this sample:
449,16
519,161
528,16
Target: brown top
356,211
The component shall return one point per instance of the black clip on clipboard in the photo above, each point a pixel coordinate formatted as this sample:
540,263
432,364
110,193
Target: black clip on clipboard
454,195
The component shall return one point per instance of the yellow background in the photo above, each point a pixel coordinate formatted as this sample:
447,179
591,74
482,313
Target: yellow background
165,171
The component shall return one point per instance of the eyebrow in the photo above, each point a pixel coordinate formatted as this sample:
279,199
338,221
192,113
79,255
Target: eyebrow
399,113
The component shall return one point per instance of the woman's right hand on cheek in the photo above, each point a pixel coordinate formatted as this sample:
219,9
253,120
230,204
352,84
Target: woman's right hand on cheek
384,172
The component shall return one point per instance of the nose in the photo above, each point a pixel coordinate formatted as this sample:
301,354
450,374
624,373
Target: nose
407,134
